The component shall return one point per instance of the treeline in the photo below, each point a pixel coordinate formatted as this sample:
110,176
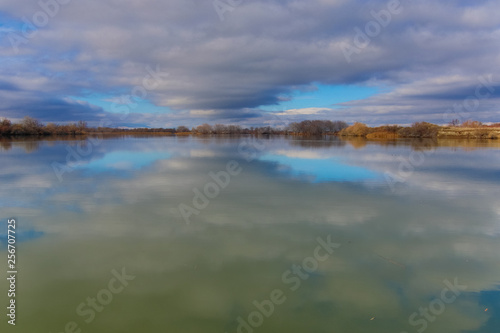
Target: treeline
306,127
317,127
416,130
31,126
470,129
112,130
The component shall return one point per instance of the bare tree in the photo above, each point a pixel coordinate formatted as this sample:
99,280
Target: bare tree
31,125
204,129
182,129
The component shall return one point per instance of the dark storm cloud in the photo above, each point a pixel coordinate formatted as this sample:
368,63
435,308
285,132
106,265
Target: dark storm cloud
261,51
7,86
50,109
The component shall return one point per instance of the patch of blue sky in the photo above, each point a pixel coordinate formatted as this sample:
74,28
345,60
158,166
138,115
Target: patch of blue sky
9,26
10,23
325,96
321,170
121,161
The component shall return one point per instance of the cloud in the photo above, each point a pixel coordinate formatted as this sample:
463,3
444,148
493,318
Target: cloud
436,99
260,52
303,111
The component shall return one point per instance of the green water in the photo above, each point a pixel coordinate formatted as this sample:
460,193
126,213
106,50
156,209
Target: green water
293,236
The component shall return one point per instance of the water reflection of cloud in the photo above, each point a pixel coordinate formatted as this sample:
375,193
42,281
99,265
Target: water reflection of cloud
303,154
200,153
319,170
236,250
121,161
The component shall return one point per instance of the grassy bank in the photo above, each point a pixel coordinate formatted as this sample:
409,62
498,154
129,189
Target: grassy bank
468,130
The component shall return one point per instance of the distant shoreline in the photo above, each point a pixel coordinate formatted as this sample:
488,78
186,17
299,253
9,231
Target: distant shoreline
471,130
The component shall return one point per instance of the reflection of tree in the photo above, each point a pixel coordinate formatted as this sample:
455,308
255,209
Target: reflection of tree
355,142
415,144
5,145
29,146
331,141
423,144
469,145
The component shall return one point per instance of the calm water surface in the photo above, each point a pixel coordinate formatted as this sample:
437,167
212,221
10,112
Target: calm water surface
299,235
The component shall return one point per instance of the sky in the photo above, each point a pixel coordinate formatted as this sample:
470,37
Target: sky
154,63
